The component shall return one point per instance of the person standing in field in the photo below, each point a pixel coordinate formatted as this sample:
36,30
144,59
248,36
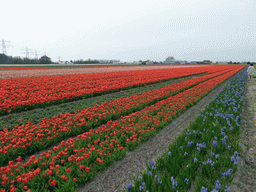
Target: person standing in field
250,71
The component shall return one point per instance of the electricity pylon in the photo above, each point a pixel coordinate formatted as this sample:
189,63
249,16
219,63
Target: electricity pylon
36,54
28,51
4,46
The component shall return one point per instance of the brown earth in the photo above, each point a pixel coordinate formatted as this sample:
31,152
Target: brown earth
115,177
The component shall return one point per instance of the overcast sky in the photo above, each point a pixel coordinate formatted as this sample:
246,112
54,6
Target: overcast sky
192,30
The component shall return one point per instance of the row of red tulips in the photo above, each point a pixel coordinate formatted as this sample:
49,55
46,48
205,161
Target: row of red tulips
29,138
66,67
21,94
77,160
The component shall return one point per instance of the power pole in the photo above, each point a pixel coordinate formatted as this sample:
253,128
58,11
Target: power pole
28,51
36,54
4,46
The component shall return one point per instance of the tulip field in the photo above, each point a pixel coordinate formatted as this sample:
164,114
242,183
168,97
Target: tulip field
201,153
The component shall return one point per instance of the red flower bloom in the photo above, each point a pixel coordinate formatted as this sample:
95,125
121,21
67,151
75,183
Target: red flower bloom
53,183
81,167
49,172
87,169
68,170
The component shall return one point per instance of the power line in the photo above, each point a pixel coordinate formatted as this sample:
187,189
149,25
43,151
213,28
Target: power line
28,51
36,54
4,46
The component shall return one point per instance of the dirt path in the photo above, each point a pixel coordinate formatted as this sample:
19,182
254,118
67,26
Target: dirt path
120,172
245,179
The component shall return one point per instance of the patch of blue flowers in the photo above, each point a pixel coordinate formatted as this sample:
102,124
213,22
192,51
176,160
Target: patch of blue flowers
207,153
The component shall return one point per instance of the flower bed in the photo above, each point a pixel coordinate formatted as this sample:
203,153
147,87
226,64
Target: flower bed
76,161
206,153
28,138
21,94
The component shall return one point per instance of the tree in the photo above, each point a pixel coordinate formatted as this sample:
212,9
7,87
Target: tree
45,60
3,59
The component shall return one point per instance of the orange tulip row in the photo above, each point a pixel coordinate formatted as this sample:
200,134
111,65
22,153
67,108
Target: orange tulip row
49,131
21,94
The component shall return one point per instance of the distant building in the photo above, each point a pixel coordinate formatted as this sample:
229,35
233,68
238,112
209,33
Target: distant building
222,62
149,62
65,62
171,60
207,61
108,61
195,62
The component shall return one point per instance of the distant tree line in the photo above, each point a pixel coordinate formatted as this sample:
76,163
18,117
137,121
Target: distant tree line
4,59
85,62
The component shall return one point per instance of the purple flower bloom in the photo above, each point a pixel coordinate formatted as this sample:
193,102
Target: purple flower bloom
212,153
149,173
195,160
139,178
174,184
181,147
141,188
227,189
209,161
204,189
217,156
169,153
229,147
190,143
129,187
215,143
152,163
218,185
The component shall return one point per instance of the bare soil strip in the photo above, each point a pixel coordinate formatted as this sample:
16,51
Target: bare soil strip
115,177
